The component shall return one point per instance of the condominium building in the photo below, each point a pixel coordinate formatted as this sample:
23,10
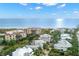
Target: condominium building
15,35
38,31
10,36
33,31
29,31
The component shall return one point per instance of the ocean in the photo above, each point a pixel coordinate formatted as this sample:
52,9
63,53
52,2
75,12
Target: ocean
46,23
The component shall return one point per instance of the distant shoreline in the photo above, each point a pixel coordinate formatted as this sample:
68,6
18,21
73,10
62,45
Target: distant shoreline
36,27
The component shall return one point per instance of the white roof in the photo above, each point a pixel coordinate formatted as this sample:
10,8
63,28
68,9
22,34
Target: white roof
45,35
64,36
63,44
21,51
38,42
32,46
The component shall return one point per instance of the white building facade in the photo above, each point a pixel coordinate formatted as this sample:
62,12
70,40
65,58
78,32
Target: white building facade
45,37
38,43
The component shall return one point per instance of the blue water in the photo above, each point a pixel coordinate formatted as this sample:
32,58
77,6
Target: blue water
16,23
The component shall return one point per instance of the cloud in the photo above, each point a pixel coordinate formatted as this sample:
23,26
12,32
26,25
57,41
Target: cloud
59,20
49,4
31,8
61,6
54,14
38,8
75,12
24,4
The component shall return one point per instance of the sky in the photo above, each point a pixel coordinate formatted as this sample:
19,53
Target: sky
52,14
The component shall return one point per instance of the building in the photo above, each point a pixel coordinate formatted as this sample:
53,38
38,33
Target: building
25,51
15,35
38,31
62,30
33,31
29,31
65,36
62,45
34,47
38,43
45,37
10,37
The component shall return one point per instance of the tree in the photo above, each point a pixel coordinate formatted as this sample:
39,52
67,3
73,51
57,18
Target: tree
47,31
12,42
38,52
1,41
74,43
54,52
46,45
55,36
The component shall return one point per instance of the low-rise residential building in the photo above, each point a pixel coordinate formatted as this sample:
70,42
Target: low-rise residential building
25,51
34,47
45,37
38,43
65,36
62,30
62,45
